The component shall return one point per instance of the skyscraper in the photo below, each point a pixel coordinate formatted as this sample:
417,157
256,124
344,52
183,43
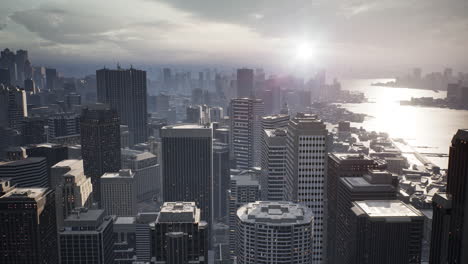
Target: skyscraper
87,237
274,232
100,143
180,236
273,179
246,129
450,223
306,169
385,231
221,177
26,173
187,166
124,90
51,79
63,125
245,83
342,165
5,76
119,193
13,106
28,227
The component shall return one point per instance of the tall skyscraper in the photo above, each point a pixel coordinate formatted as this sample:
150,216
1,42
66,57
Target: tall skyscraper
180,236
275,121
274,232
63,125
221,177
5,77
87,237
20,59
187,166
273,180
13,106
384,231
72,188
245,83
246,129
305,169
32,130
450,223
26,173
376,185
124,90
342,165
28,228
100,143
51,79
119,193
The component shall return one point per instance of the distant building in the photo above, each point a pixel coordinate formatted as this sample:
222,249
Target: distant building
305,169
26,173
187,166
245,83
449,222
275,121
119,193
124,90
100,143
63,125
384,231
273,179
274,232
246,130
13,106
221,178
179,234
33,131
51,79
28,229
91,233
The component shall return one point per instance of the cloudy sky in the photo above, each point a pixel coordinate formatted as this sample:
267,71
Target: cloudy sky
353,34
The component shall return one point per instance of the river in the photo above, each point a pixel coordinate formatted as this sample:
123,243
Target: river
426,129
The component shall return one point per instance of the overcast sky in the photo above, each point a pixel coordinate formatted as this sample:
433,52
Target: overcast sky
354,34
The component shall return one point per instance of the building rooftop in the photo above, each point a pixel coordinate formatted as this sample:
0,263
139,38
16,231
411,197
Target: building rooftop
276,213
184,126
179,212
33,193
274,117
389,209
22,162
350,157
84,215
245,179
125,220
123,173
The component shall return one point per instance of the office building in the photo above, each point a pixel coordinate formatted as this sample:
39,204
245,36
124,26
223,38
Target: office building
125,240
275,121
193,114
100,143
143,232
187,164
72,188
147,173
245,83
180,236
384,231
63,125
13,106
342,165
274,232
449,222
273,179
221,178
244,187
124,90
26,173
305,169
119,193
87,237
27,226
33,131
246,130
375,185
53,153
5,77
51,79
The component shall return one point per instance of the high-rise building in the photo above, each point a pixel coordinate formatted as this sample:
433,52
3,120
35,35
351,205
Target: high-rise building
244,187
274,232
100,143
246,130
28,227
5,77
450,223
51,79
8,61
384,231
305,169
53,153
125,91
13,106
187,166
193,114
72,188
245,83
275,121
273,179
87,237
32,130
342,165
119,193
20,60
147,172
221,177
26,173
376,185
180,236
125,240
63,125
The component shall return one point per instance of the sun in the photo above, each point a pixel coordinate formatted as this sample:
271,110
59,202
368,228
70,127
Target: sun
305,52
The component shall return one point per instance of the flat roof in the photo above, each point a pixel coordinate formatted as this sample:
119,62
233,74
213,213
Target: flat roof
276,213
33,193
179,212
85,215
25,161
387,208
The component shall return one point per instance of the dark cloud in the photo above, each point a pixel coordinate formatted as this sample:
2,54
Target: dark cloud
3,26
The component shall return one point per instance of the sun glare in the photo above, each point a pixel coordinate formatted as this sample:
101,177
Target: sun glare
305,52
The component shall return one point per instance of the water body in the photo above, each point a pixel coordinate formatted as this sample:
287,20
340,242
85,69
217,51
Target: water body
426,129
